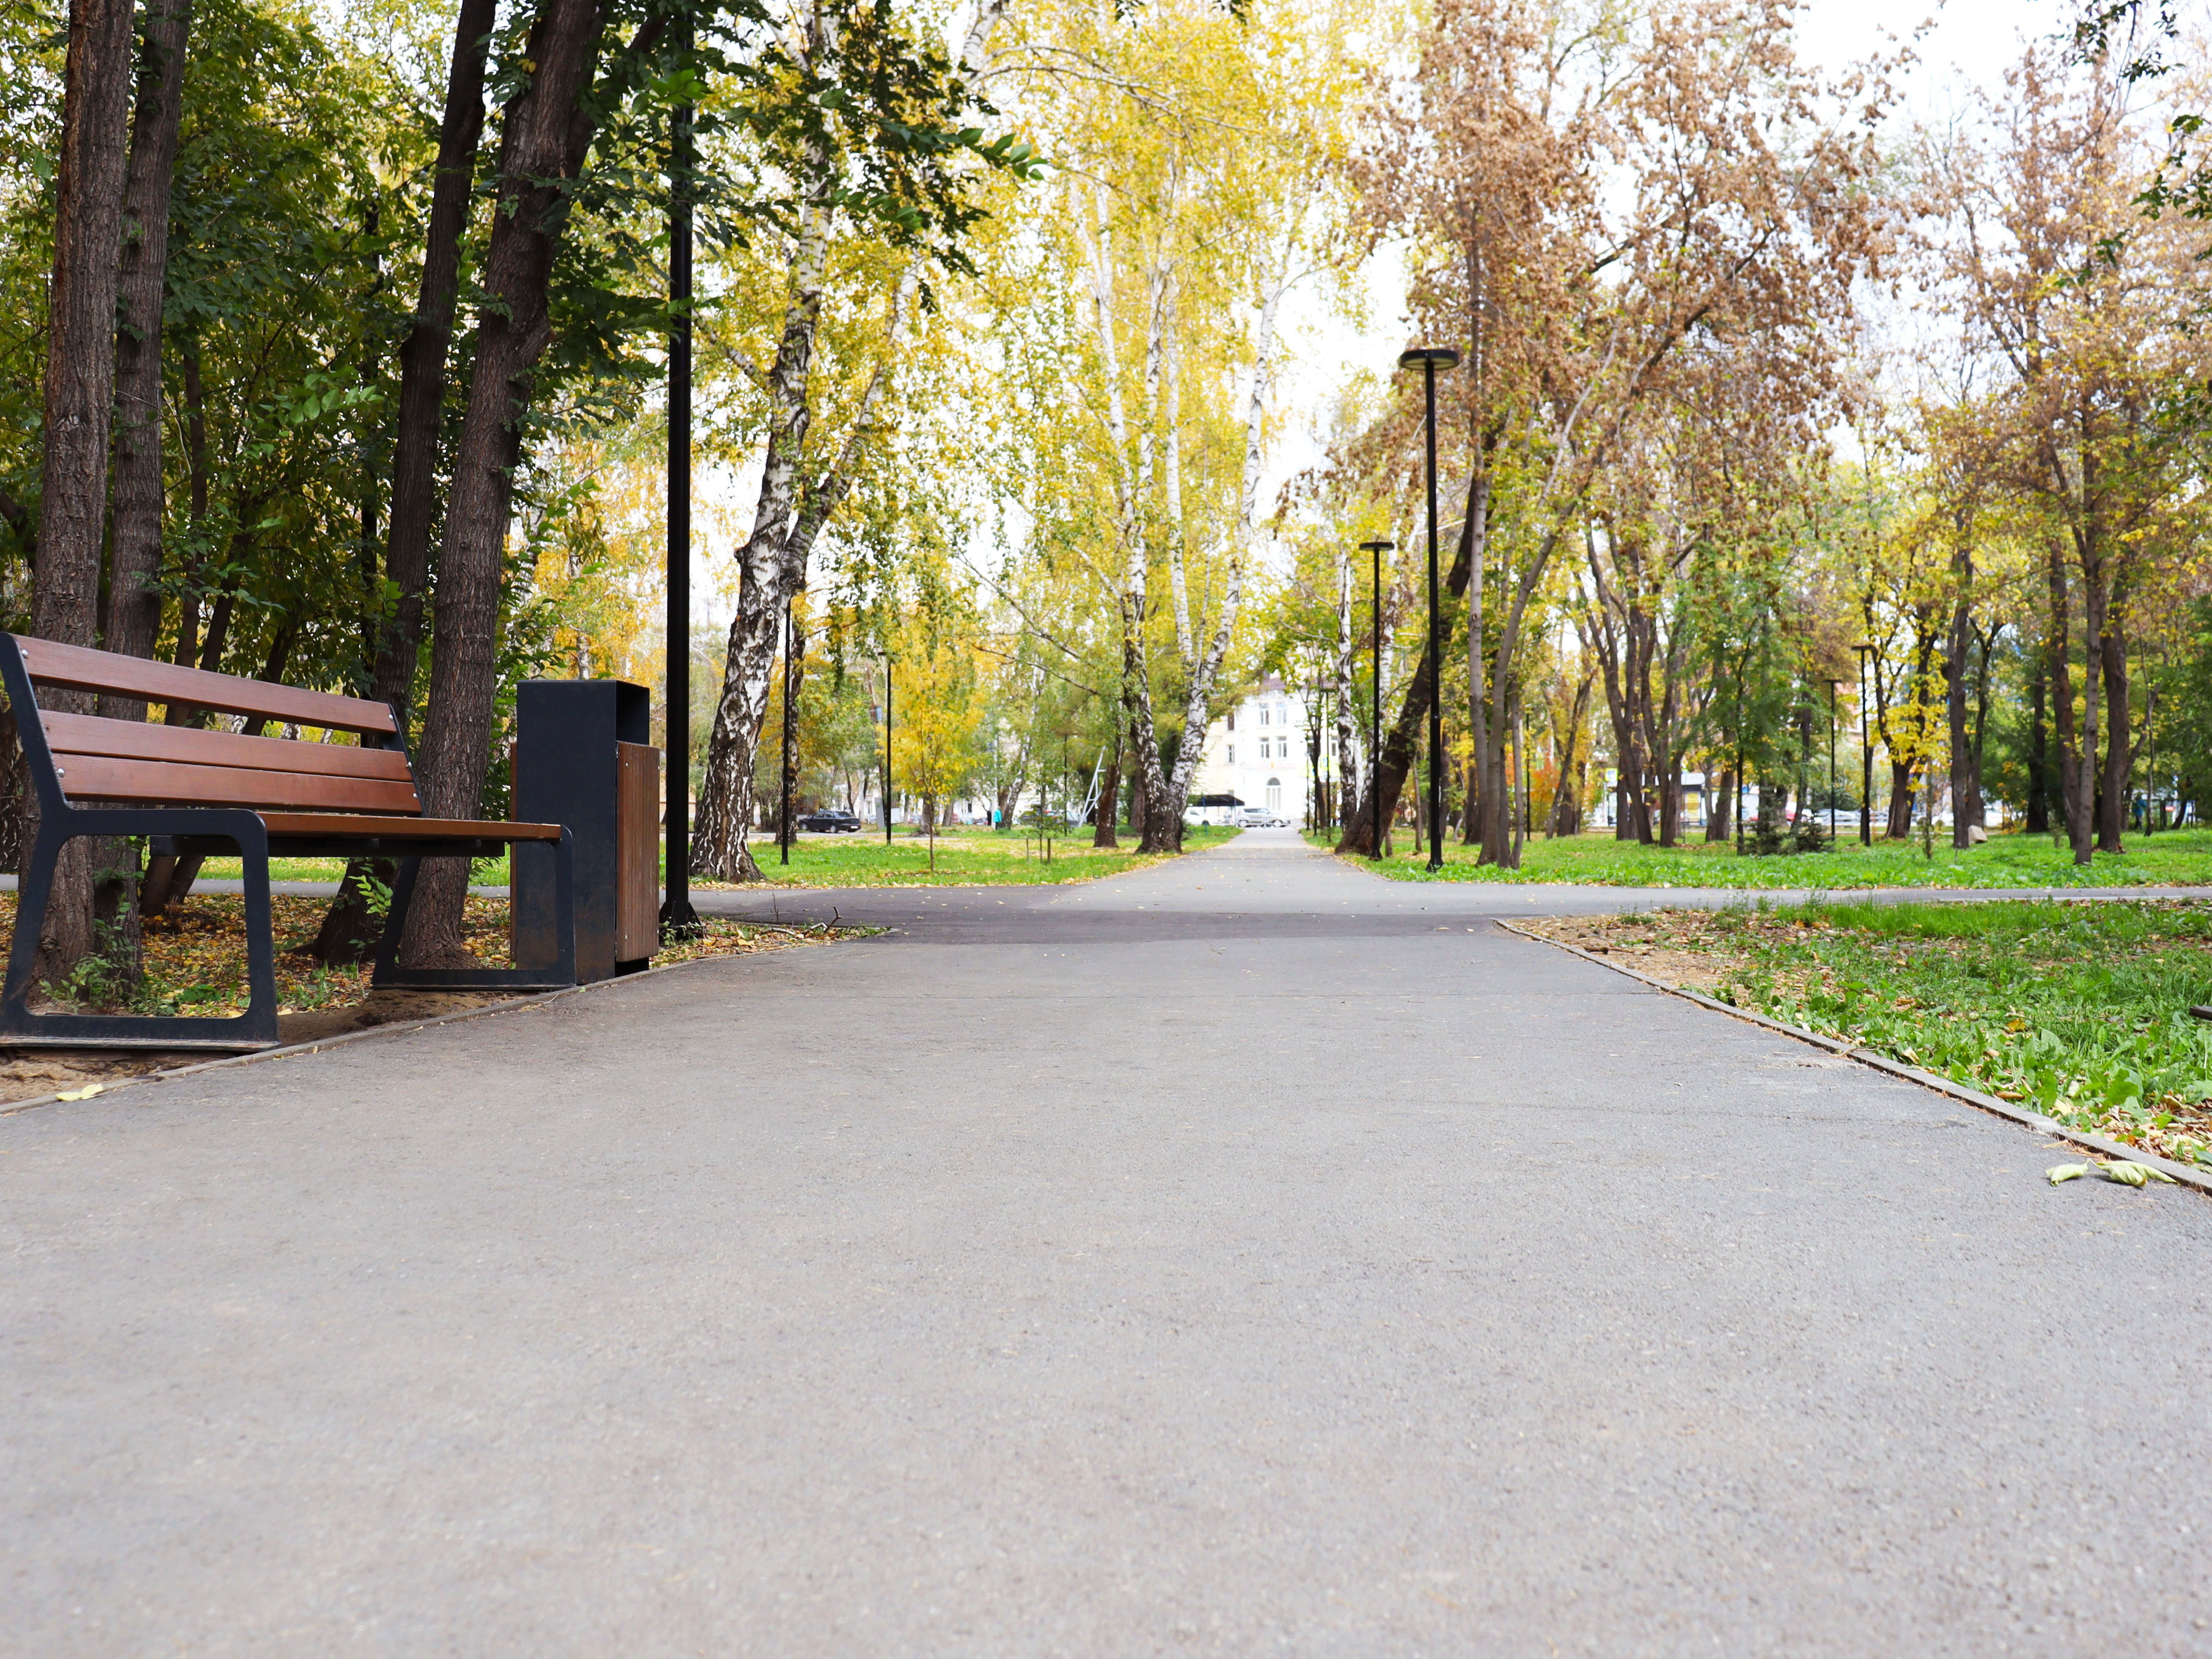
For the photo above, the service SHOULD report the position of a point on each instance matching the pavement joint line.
(397, 1028)
(2182, 1174)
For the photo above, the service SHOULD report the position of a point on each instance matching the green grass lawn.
(965, 857)
(2178, 858)
(487, 872)
(2079, 1010)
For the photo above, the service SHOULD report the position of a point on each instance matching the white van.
(1215, 812)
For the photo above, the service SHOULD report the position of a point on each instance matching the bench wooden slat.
(82, 669)
(88, 734)
(104, 777)
(344, 823)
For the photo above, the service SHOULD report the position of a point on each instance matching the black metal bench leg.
(564, 907)
(254, 1029)
(395, 924)
(260, 945)
(558, 975)
(33, 892)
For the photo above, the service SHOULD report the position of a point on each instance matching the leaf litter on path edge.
(195, 962)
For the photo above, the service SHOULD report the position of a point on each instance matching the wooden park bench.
(195, 791)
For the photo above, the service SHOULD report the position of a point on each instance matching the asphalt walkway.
(1246, 1255)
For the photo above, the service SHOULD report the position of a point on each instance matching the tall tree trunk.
(1109, 798)
(1606, 642)
(789, 519)
(1520, 804)
(134, 602)
(1666, 756)
(2038, 757)
(134, 605)
(2072, 793)
(789, 512)
(722, 834)
(547, 131)
(1477, 508)
(2094, 616)
(1977, 804)
(1900, 824)
(2119, 736)
(1140, 801)
(1566, 798)
(422, 358)
(1171, 793)
(1387, 774)
(196, 473)
(1955, 647)
(350, 928)
(79, 400)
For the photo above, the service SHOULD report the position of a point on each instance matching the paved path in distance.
(1246, 1255)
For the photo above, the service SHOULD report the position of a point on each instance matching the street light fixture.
(790, 640)
(1834, 686)
(1433, 358)
(1376, 550)
(1866, 753)
(678, 919)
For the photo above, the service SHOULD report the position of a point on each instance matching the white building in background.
(1256, 751)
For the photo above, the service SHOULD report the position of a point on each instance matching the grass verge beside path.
(2179, 858)
(965, 857)
(2077, 1009)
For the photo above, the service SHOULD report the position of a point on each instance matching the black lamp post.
(1433, 358)
(1866, 753)
(790, 646)
(1834, 686)
(1376, 550)
(678, 919)
(2150, 778)
(887, 748)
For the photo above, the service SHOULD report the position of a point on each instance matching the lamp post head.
(1376, 547)
(1441, 356)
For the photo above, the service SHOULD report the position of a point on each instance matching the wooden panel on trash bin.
(637, 852)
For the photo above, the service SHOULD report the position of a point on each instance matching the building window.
(1274, 794)
(1232, 754)
(1263, 713)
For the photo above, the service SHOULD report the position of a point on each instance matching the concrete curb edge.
(397, 1028)
(2104, 1145)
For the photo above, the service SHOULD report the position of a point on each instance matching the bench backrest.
(92, 759)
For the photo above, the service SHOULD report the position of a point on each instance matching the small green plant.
(107, 977)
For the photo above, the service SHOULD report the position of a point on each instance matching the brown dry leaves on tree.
(1611, 212)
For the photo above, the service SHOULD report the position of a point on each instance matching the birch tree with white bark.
(822, 417)
(1199, 151)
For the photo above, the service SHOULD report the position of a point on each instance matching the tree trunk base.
(351, 929)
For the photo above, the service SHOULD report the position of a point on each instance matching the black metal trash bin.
(583, 758)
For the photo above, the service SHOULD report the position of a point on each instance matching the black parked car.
(831, 822)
